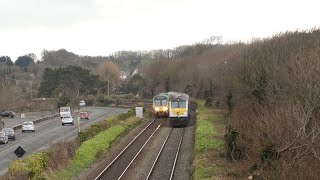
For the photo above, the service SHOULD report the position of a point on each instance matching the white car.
(65, 111)
(82, 103)
(67, 120)
(28, 126)
(3, 137)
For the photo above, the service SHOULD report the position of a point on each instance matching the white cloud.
(99, 27)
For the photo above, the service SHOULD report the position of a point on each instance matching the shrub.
(209, 102)
(268, 154)
(104, 100)
(229, 101)
(59, 154)
(32, 166)
(97, 128)
(230, 138)
(124, 116)
(89, 102)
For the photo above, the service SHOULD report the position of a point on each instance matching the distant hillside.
(64, 58)
(127, 60)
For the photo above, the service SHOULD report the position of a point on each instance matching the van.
(65, 111)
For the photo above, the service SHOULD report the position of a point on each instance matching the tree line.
(270, 89)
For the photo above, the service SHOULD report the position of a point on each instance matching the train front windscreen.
(178, 104)
(160, 101)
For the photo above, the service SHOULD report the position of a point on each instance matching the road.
(49, 132)
(9, 122)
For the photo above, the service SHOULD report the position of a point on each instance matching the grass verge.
(94, 141)
(93, 148)
(208, 141)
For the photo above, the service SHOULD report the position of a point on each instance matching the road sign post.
(78, 123)
(19, 152)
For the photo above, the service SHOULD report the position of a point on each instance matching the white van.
(65, 111)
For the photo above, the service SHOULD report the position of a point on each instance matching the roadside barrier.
(19, 126)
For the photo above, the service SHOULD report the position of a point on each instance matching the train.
(179, 108)
(172, 105)
(161, 105)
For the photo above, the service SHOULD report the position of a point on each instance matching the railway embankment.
(209, 144)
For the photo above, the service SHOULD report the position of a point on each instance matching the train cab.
(161, 105)
(179, 110)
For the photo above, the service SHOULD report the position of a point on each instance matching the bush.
(275, 105)
(230, 138)
(124, 116)
(32, 166)
(97, 128)
(104, 100)
(89, 102)
(61, 153)
(209, 102)
(268, 154)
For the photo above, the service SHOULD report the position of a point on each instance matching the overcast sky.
(100, 27)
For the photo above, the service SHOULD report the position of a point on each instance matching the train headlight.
(165, 108)
(157, 109)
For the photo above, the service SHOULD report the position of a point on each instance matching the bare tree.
(109, 71)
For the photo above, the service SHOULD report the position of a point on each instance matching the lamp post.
(78, 119)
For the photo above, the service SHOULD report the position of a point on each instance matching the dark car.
(10, 133)
(10, 114)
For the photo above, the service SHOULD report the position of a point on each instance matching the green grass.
(206, 141)
(91, 149)
(207, 172)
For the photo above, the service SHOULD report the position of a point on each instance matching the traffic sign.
(19, 152)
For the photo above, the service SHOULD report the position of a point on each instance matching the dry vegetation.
(276, 110)
(271, 88)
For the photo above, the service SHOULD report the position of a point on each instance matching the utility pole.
(31, 90)
(108, 84)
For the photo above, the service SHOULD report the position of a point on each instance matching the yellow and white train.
(179, 108)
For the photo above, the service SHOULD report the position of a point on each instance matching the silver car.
(28, 126)
(3, 137)
(67, 120)
(10, 132)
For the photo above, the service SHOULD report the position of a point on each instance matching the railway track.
(116, 168)
(163, 165)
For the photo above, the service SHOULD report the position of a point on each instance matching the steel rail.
(140, 150)
(159, 153)
(177, 154)
(116, 158)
